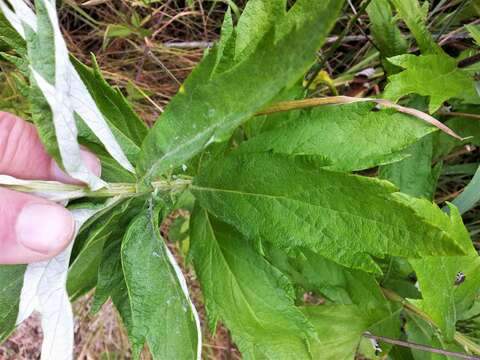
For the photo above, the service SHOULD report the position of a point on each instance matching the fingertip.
(91, 161)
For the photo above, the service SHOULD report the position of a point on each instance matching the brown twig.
(462, 114)
(420, 347)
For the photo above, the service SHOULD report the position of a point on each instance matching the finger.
(22, 154)
(32, 229)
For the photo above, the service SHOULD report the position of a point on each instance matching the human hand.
(31, 228)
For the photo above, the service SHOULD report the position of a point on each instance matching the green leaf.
(117, 31)
(373, 137)
(436, 76)
(258, 18)
(340, 329)
(11, 281)
(208, 111)
(443, 299)
(112, 228)
(252, 298)
(111, 283)
(470, 196)
(162, 316)
(87, 252)
(336, 283)
(385, 32)
(414, 175)
(471, 130)
(41, 55)
(128, 128)
(415, 17)
(346, 218)
(474, 31)
(226, 45)
(9, 37)
(466, 128)
(420, 332)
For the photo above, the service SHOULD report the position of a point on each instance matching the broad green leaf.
(252, 298)
(385, 32)
(162, 315)
(415, 16)
(436, 76)
(340, 329)
(127, 127)
(11, 281)
(336, 283)
(347, 218)
(209, 111)
(414, 175)
(350, 137)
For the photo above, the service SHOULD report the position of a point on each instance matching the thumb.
(32, 229)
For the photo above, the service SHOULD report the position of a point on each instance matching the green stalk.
(59, 191)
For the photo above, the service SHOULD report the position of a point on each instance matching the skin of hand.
(31, 228)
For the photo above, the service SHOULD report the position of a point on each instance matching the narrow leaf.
(415, 16)
(162, 313)
(44, 290)
(385, 32)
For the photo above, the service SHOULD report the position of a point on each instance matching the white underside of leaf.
(69, 95)
(66, 133)
(12, 18)
(85, 107)
(44, 290)
(183, 285)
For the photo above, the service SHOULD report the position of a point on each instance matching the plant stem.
(420, 347)
(58, 191)
(460, 338)
(462, 114)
